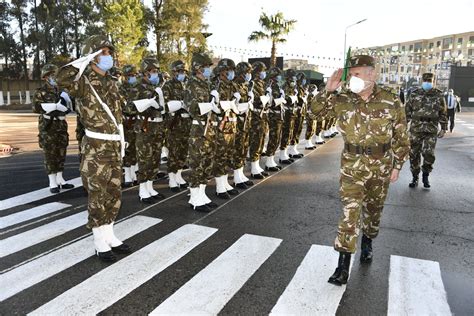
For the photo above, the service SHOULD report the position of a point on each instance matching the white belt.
(153, 119)
(102, 136)
(232, 119)
(185, 115)
(61, 118)
(196, 122)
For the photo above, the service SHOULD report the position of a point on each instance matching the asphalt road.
(286, 217)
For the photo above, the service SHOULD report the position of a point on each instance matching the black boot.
(366, 249)
(426, 182)
(414, 182)
(341, 274)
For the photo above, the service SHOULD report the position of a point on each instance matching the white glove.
(161, 99)
(48, 107)
(66, 97)
(215, 94)
(154, 104)
(234, 107)
(205, 108)
(215, 108)
(61, 107)
(251, 96)
(294, 99)
(282, 93)
(243, 107)
(174, 105)
(123, 144)
(142, 104)
(226, 105)
(269, 90)
(280, 101)
(264, 99)
(237, 96)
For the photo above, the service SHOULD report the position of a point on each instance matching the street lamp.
(345, 39)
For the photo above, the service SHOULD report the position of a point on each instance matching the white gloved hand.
(237, 97)
(234, 106)
(61, 107)
(294, 99)
(269, 90)
(251, 96)
(264, 99)
(215, 94)
(226, 105)
(243, 107)
(215, 107)
(282, 93)
(175, 105)
(48, 107)
(280, 101)
(205, 108)
(154, 104)
(142, 104)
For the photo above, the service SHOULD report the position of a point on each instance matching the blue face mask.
(207, 72)
(52, 81)
(278, 78)
(154, 79)
(427, 86)
(248, 77)
(230, 75)
(303, 82)
(132, 80)
(263, 75)
(105, 62)
(181, 77)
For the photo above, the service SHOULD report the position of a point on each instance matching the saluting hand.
(334, 82)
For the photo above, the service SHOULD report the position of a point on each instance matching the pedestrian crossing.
(32, 213)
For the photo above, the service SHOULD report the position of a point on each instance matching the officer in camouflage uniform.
(275, 120)
(98, 103)
(320, 122)
(179, 125)
(245, 87)
(259, 119)
(301, 108)
(425, 109)
(288, 128)
(52, 127)
(310, 119)
(150, 129)
(226, 92)
(374, 129)
(203, 134)
(129, 91)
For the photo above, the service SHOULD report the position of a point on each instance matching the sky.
(321, 24)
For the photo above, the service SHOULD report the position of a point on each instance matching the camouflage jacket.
(173, 89)
(289, 91)
(130, 93)
(146, 90)
(379, 121)
(226, 90)
(243, 87)
(425, 109)
(44, 94)
(258, 90)
(197, 91)
(301, 95)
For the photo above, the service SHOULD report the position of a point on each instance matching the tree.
(18, 12)
(274, 28)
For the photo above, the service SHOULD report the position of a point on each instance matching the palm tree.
(275, 27)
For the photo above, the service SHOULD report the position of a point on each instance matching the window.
(438, 44)
(470, 52)
(402, 68)
(471, 40)
(411, 48)
(418, 47)
(446, 54)
(447, 43)
(460, 41)
(431, 45)
(403, 48)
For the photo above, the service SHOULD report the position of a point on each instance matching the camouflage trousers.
(298, 129)
(258, 130)
(80, 132)
(225, 142)
(201, 152)
(178, 140)
(130, 137)
(319, 126)
(328, 123)
(101, 173)
(287, 129)
(422, 144)
(242, 141)
(310, 127)
(149, 142)
(275, 124)
(53, 139)
(363, 189)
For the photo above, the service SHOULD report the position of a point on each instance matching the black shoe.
(175, 189)
(127, 184)
(286, 161)
(310, 148)
(366, 250)
(164, 159)
(201, 208)
(341, 274)
(122, 249)
(279, 167)
(264, 154)
(161, 175)
(249, 183)
(223, 195)
(257, 176)
(273, 169)
(54, 190)
(212, 205)
(158, 196)
(149, 200)
(106, 256)
(414, 181)
(298, 156)
(184, 186)
(241, 185)
(233, 192)
(320, 143)
(185, 167)
(66, 186)
(426, 182)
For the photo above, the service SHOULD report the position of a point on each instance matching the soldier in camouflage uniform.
(52, 127)
(425, 109)
(99, 103)
(259, 119)
(311, 120)
(301, 106)
(245, 87)
(129, 91)
(291, 109)
(226, 92)
(320, 122)
(150, 129)
(179, 125)
(202, 136)
(275, 120)
(374, 129)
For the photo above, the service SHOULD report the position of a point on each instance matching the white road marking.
(309, 292)
(36, 235)
(31, 213)
(116, 281)
(33, 196)
(44, 267)
(209, 291)
(416, 288)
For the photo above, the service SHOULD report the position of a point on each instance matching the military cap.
(225, 64)
(129, 70)
(149, 63)
(178, 65)
(361, 61)
(273, 72)
(96, 42)
(258, 66)
(427, 76)
(48, 69)
(289, 73)
(300, 76)
(243, 68)
(200, 60)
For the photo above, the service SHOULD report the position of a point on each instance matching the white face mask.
(356, 84)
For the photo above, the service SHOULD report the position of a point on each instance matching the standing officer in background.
(129, 91)
(99, 106)
(301, 107)
(291, 109)
(373, 125)
(454, 105)
(52, 126)
(310, 119)
(425, 109)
